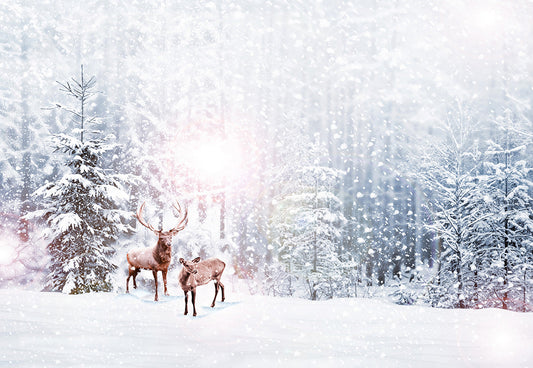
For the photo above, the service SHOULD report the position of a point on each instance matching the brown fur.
(160, 261)
(158, 257)
(195, 273)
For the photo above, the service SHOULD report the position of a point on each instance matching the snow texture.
(113, 330)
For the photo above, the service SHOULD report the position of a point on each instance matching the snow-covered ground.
(112, 330)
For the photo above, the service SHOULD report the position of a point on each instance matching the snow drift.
(112, 330)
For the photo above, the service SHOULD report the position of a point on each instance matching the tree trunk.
(26, 170)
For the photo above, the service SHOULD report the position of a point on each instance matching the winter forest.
(323, 149)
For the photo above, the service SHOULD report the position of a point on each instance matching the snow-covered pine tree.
(451, 175)
(82, 209)
(307, 227)
(282, 181)
(506, 249)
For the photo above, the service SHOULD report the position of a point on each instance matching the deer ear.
(196, 260)
(182, 261)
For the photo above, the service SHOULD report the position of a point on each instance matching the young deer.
(156, 258)
(195, 273)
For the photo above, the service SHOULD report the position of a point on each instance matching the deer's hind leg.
(221, 286)
(218, 285)
(135, 273)
(131, 272)
(216, 292)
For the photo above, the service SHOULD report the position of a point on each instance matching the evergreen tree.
(452, 176)
(308, 227)
(506, 249)
(82, 208)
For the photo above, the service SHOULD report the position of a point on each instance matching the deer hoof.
(194, 314)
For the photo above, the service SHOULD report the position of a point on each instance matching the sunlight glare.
(216, 158)
(7, 254)
(485, 18)
(504, 342)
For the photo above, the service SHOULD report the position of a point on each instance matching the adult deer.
(195, 273)
(156, 258)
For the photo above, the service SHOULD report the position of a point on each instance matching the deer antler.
(183, 221)
(139, 217)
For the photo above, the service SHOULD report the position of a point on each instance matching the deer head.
(166, 236)
(190, 266)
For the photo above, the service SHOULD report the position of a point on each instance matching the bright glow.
(7, 253)
(214, 158)
(211, 158)
(504, 342)
(485, 18)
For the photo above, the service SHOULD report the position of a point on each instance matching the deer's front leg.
(193, 293)
(155, 278)
(186, 301)
(164, 272)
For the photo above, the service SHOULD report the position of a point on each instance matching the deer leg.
(154, 272)
(193, 293)
(216, 292)
(186, 301)
(221, 286)
(128, 282)
(135, 273)
(164, 272)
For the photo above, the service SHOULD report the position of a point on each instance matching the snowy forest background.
(322, 148)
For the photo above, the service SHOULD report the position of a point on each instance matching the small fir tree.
(307, 228)
(82, 208)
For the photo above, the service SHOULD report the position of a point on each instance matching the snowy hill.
(112, 330)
